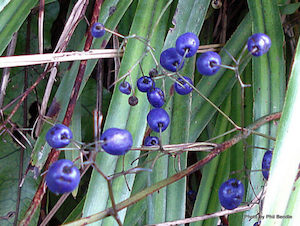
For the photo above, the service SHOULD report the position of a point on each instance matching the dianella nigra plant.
(146, 112)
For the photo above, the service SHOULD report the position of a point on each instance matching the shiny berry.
(156, 97)
(133, 100)
(266, 163)
(231, 193)
(62, 177)
(158, 119)
(186, 89)
(59, 136)
(98, 30)
(216, 4)
(208, 63)
(187, 42)
(151, 140)
(257, 223)
(116, 141)
(170, 60)
(125, 87)
(144, 83)
(258, 44)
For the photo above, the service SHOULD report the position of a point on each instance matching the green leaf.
(12, 17)
(286, 158)
(240, 155)
(213, 174)
(121, 114)
(189, 17)
(217, 87)
(293, 207)
(289, 8)
(76, 212)
(9, 183)
(268, 86)
(3, 4)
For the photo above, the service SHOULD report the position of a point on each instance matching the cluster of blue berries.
(187, 44)
(63, 176)
(158, 119)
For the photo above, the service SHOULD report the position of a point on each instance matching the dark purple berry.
(125, 87)
(186, 89)
(62, 177)
(158, 119)
(153, 72)
(266, 163)
(98, 30)
(116, 141)
(133, 100)
(156, 97)
(231, 194)
(151, 141)
(187, 42)
(59, 136)
(258, 44)
(208, 63)
(257, 223)
(170, 60)
(192, 195)
(144, 83)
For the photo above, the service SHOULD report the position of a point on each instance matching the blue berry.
(116, 141)
(98, 30)
(257, 223)
(187, 41)
(59, 136)
(258, 44)
(125, 87)
(151, 140)
(158, 119)
(156, 97)
(62, 177)
(231, 193)
(186, 89)
(266, 163)
(144, 83)
(170, 60)
(208, 63)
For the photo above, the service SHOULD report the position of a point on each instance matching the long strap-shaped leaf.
(285, 162)
(189, 18)
(122, 115)
(268, 84)
(213, 174)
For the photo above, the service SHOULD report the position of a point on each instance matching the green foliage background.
(274, 80)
